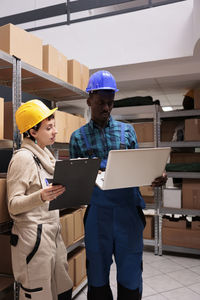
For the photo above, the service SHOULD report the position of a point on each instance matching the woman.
(39, 256)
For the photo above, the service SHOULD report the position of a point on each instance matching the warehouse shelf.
(75, 245)
(37, 82)
(181, 249)
(49, 87)
(188, 175)
(79, 288)
(179, 115)
(22, 77)
(180, 211)
(183, 144)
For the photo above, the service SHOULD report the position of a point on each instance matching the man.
(114, 220)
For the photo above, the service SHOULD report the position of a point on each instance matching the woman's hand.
(51, 192)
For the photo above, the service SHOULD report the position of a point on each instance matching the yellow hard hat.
(31, 113)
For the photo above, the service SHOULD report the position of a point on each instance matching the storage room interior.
(48, 51)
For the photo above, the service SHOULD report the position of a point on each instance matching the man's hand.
(159, 181)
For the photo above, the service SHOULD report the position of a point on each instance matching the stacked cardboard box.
(147, 193)
(192, 130)
(148, 232)
(176, 233)
(144, 132)
(72, 228)
(22, 44)
(4, 215)
(77, 265)
(55, 63)
(66, 124)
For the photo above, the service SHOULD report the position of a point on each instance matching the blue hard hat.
(102, 80)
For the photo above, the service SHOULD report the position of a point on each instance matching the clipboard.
(133, 167)
(78, 176)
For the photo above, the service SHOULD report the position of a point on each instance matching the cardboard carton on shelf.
(74, 73)
(67, 229)
(78, 224)
(148, 232)
(174, 223)
(71, 268)
(179, 237)
(55, 63)
(84, 77)
(144, 132)
(184, 157)
(22, 44)
(191, 194)
(79, 266)
(197, 98)
(4, 214)
(192, 130)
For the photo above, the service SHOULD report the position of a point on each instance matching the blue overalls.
(114, 224)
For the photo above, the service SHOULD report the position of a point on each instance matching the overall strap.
(122, 143)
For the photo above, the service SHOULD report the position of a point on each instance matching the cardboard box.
(79, 266)
(195, 225)
(192, 130)
(67, 229)
(181, 237)
(172, 197)
(197, 98)
(8, 120)
(144, 132)
(62, 67)
(78, 224)
(5, 254)
(147, 193)
(146, 190)
(22, 44)
(71, 268)
(50, 60)
(149, 199)
(191, 193)
(148, 232)
(61, 126)
(167, 129)
(74, 73)
(1, 118)
(84, 77)
(4, 214)
(174, 223)
(181, 157)
(66, 124)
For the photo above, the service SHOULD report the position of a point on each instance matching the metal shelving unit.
(145, 113)
(22, 77)
(179, 114)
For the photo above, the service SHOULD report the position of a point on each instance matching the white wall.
(154, 34)
(158, 33)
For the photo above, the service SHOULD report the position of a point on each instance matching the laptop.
(133, 167)
(78, 176)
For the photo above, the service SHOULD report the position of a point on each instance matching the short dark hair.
(36, 128)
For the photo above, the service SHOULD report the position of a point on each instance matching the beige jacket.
(25, 178)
